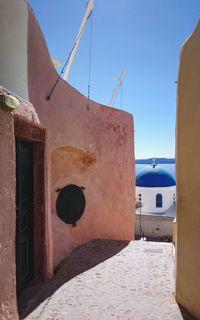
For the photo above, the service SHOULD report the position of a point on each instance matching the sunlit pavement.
(108, 279)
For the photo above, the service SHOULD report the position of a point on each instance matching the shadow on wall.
(79, 261)
(186, 315)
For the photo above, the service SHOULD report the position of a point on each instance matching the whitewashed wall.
(149, 198)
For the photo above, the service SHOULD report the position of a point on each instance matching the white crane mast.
(88, 11)
(119, 82)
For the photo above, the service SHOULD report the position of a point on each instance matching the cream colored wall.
(13, 48)
(154, 226)
(188, 176)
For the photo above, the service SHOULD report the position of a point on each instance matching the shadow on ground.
(81, 259)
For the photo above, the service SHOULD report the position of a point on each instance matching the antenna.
(89, 7)
(68, 63)
(119, 82)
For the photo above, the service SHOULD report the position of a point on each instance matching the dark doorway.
(24, 214)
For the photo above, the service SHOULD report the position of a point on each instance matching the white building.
(156, 191)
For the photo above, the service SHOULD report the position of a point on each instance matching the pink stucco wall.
(8, 306)
(88, 144)
(25, 111)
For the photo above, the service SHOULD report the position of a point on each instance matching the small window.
(70, 203)
(159, 200)
(174, 198)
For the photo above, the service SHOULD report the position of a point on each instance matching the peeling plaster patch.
(86, 158)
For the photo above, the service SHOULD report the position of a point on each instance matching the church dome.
(154, 176)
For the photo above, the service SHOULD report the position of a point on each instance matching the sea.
(171, 167)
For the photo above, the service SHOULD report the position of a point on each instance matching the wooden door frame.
(35, 134)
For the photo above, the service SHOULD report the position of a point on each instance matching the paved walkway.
(106, 280)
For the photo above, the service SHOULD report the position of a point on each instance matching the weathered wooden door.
(24, 214)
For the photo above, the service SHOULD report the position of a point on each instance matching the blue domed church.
(155, 189)
(156, 199)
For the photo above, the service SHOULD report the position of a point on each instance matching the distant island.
(156, 160)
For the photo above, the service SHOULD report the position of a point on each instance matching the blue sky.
(141, 36)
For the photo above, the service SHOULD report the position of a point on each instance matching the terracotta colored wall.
(188, 176)
(26, 113)
(8, 308)
(87, 144)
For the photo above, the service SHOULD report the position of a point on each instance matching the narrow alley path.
(107, 279)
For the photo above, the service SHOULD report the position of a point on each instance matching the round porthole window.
(70, 204)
